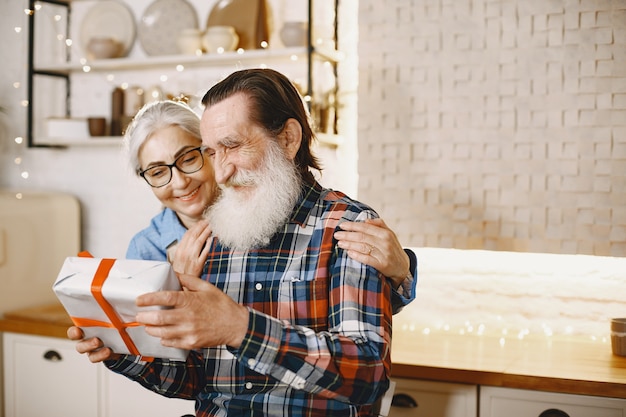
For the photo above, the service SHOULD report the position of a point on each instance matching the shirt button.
(251, 362)
(258, 286)
(248, 385)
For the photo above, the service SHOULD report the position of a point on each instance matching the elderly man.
(282, 321)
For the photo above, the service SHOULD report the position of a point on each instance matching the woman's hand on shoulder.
(373, 243)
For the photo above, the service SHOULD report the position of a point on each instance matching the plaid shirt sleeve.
(405, 294)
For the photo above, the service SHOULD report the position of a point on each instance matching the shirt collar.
(172, 228)
(309, 195)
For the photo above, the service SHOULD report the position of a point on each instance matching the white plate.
(161, 24)
(108, 18)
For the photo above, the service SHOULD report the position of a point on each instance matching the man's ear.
(291, 138)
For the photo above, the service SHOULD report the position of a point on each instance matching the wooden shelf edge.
(59, 142)
(226, 58)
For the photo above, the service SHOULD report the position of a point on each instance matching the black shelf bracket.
(32, 72)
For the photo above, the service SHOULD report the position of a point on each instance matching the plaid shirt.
(319, 334)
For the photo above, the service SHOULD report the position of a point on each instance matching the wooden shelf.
(324, 139)
(260, 56)
(61, 142)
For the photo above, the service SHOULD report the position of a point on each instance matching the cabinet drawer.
(45, 376)
(434, 399)
(126, 398)
(497, 402)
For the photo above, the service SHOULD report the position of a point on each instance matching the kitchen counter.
(48, 320)
(566, 364)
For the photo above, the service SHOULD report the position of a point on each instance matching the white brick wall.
(495, 124)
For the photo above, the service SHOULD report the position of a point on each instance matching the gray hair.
(153, 117)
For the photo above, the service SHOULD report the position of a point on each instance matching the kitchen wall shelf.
(324, 139)
(58, 142)
(69, 67)
(227, 58)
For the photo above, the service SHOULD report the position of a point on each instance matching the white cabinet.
(126, 398)
(498, 402)
(45, 376)
(433, 399)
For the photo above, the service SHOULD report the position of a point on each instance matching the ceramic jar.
(618, 336)
(294, 33)
(218, 39)
(189, 41)
(103, 48)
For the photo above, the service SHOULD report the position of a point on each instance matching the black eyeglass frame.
(174, 164)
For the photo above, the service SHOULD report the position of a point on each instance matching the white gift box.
(99, 295)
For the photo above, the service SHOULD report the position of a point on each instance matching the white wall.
(496, 125)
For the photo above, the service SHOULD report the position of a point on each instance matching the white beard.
(247, 219)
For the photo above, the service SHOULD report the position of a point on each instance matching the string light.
(19, 141)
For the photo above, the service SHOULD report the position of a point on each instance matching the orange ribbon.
(102, 273)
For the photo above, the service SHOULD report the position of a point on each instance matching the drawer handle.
(403, 401)
(553, 412)
(52, 356)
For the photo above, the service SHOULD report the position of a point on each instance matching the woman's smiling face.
(187, 194)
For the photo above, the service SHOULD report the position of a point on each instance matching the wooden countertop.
(49, 320)
(566, 364)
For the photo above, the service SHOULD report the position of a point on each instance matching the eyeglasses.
(187, 163)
